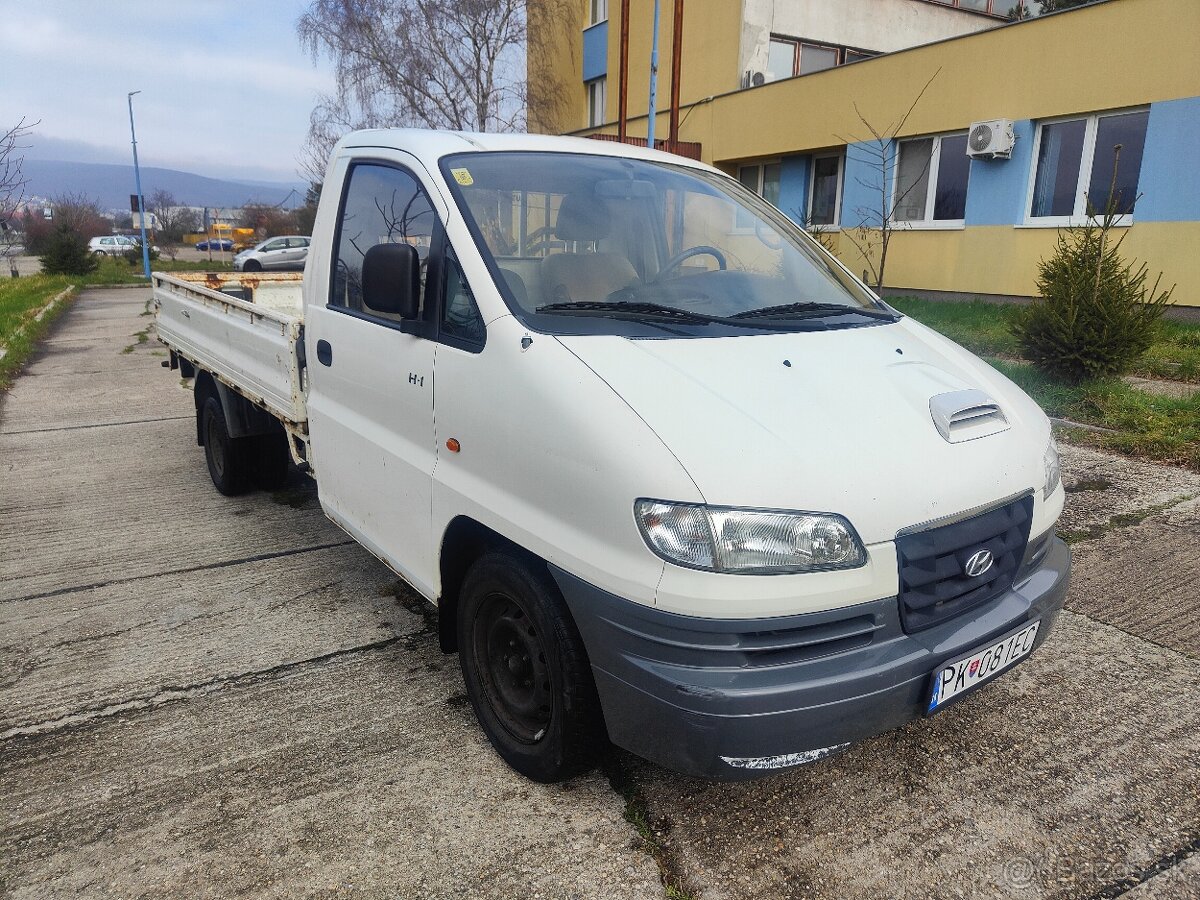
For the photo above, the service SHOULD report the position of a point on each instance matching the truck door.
(370, 402)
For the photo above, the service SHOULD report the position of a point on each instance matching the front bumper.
(739, 698)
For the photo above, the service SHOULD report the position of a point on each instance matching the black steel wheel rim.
(511, 662)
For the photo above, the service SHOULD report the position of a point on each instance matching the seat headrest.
(582, 218)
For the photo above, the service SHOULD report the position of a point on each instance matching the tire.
(271, 458)
(229, 459)
(526, 670)
(252, 265)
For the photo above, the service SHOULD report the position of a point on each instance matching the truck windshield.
(598, 244)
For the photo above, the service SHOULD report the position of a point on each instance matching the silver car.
(285, 252)
(111, 245)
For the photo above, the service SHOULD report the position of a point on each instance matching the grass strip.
(984, 328)
(1165, 429)
(21, 299)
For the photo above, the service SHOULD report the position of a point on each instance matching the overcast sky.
(226, 88)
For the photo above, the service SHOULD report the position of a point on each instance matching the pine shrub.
(67, 253)
(1097, 314)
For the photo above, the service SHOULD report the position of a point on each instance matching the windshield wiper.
(809, 310)
(632, 308)
(643, 310)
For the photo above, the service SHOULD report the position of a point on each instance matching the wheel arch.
(242, 418)
(464, 541)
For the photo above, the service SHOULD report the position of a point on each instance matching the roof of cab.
(429, 145)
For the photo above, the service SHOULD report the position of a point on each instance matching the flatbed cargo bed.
(245, 328)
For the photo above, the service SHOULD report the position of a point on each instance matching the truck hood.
(834, 421)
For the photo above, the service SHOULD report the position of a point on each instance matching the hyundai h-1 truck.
(673, 477)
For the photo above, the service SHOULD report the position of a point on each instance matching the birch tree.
(456, 64)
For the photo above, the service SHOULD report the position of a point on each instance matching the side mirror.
(391, 279)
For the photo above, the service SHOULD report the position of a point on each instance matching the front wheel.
(252, 265)
(526, 670)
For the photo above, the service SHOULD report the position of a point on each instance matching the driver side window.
(383, 205)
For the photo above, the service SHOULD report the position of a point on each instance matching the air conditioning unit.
(993, 139)
(753, 79)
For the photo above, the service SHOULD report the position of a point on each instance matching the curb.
(41, 313)
(114, 287)
(1067, 423)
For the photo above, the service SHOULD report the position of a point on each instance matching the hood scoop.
(966, 415)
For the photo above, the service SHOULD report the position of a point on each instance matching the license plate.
(982, 665)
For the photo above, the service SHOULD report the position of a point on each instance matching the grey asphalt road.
(204, 696)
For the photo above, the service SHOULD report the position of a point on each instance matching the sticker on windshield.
(462, 176)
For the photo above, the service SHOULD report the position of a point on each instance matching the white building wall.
(879, 25)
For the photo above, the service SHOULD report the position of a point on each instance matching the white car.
(115, 245)
(287, 251)
(689, 488)
(112, 245)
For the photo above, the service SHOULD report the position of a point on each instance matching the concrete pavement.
(204, 696)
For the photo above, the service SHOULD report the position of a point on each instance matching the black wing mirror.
(391, 280)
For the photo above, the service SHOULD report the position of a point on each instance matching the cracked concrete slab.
(1145, 579)
(363, 775)
(88, 506)
(77, 655)
(1101, 486)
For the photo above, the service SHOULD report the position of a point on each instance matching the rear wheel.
(526, 669)
(229, 459)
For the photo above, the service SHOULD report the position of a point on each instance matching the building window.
(598, 11)
(931, 180)
(825, 191)
(1074, 168)
(596, 101)
(764, 181)
(788, 56)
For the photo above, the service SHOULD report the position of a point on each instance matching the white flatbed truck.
(673, 476)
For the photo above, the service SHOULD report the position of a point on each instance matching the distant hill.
(111, 185)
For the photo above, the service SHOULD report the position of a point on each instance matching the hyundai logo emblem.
(980, 562)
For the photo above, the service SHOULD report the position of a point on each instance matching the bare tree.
(457, 64)
(77, 212)
(12, 180)
(878, 156)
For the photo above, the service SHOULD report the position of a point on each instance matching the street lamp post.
(653, 111)
(137, 177)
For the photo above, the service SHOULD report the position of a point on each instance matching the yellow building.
(791, 115)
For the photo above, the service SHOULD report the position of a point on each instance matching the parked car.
(224, 244)
(287, 251)
(111, 245)
(116, 245)
(690, 488)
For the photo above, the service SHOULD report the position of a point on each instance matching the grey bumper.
(738, 698)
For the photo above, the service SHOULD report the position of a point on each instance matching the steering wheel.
(679, 258)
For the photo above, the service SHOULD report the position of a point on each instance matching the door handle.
(324, 353)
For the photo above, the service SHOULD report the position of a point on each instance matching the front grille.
(934, 585)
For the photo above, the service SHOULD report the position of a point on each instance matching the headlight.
(1053, 472)
(747, 541)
